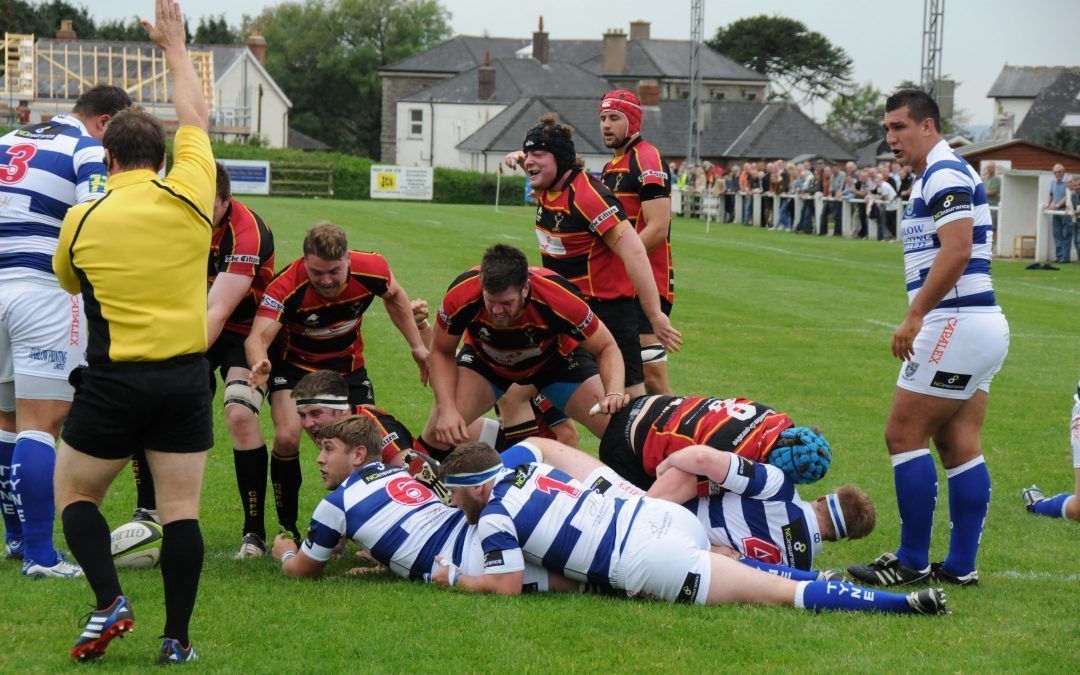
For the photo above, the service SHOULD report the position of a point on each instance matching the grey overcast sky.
(883, 39)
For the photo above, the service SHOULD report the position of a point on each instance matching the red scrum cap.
(625, 103)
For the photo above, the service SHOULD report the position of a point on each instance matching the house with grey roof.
(1046, 94)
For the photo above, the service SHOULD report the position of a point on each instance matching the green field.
(802, 323)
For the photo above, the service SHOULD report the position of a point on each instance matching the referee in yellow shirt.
(138, 255)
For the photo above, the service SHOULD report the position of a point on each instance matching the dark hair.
(920, 105)
(320, 383)
(469, 458)
(327, 241)
(135, 140)
(503, 267)
(224, 185)
(102, 99)
(353, 431)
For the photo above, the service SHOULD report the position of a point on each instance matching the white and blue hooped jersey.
(44, 170)
(761, 516)
(949, 189)
(540, 514)
(389, 514)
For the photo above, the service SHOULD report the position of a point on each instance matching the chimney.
(486, 78)
(639, 30)
(648, 92)
(614, 51)
(257, 44)
(540, 43)
(66, 32)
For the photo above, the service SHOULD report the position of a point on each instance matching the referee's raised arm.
(168, 33)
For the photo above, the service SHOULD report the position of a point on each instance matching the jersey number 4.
(756, 548)
(19, 163)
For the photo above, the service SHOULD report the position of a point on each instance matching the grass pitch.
(802, 323)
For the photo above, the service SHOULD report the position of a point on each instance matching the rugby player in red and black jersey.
(523, 325)
(638, 176)
(645, 432)
(320, 300)
(584, 236)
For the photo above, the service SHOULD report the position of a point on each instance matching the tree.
(855, 116)
(326, 56)
(216, 31)
(802, 63)
(118, 29)
(43, 19)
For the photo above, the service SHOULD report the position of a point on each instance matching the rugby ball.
(136, 545)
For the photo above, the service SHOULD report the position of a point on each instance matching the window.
(416, 122)
(718, 95)
(749, 95)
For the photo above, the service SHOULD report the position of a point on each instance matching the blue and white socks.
(835, 595)
(781, 570)
(915, 477)
(1052, 507)
(969, 499)
(32, 466)
(8, 505)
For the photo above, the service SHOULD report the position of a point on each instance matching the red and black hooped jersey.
(738, 425)
(571, 225)
(555, 319)
(321, 334)
(638, 175)
(244, 245)
(395, 437)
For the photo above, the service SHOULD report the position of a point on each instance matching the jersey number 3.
(19, 163)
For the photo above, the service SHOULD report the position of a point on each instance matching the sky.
(883, 39)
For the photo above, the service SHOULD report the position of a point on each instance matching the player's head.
(134, 139)
(224, 194)
(549, 152)
(504, 277)
(326, 257)
(847, 513)
(802, 453)
(97, 105)
(321, 397)
(620, 117)
(345, 445)
(912, 125)
(469, 473)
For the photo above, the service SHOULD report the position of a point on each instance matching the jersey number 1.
(549, 485)
(19, 164)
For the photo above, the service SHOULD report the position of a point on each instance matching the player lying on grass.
(1064, 505)
(648, 548)
(522, 325)
(755, 515)
(397, 520)
(650, 428)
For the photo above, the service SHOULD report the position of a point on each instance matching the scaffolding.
(697, 26)
(933, 34)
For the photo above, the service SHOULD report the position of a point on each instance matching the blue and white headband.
(331, 401)
(836, 514)
(472, 479)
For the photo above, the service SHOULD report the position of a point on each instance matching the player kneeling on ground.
(647, 547)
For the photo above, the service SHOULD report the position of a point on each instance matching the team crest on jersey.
(909, 370)
(909, 210)
(558, 221)
(312, 320)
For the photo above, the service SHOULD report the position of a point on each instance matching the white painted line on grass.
(886, 324)
(510, 236)
(1046, 288)
(433, 222)
(1036, 576)
(810, 256)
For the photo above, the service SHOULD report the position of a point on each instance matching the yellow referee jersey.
(138, 256)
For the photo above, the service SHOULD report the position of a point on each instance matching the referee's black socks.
(286, 478)
(88, 537)
(181, 566)
(251, 482)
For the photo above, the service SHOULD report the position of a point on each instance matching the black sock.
(87, 536)
(144, 482)
(251, 481)
(520, 432)
(286, 477)
(433, 452)
(181, 565)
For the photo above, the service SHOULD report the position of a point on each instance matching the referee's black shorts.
(120, 408)
(621, 318)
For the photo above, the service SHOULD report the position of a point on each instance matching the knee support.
(654, 353)
(237, 392)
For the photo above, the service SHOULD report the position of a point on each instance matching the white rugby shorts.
(956, 354)
(666, 555)
(43, 336)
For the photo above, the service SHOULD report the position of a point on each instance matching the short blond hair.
(327, 241)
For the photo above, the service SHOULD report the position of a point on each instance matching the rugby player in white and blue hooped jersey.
(45, 169)
(647, 548)
(952, 342)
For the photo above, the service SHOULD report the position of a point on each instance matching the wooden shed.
(1023, 155)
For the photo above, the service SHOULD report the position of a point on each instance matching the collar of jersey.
(73, 121)
(126, 178)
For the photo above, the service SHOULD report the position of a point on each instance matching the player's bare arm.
(657, 215)
(450, 427)
(295, 562)
(400, 310)
(263, 332)
(698, 460)
(420, 314)
(946, 270)
(501, 584)
(225, 294)
(612, 371)
(168, 32)
(515, 159)
(624, 241)
(674, 485)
